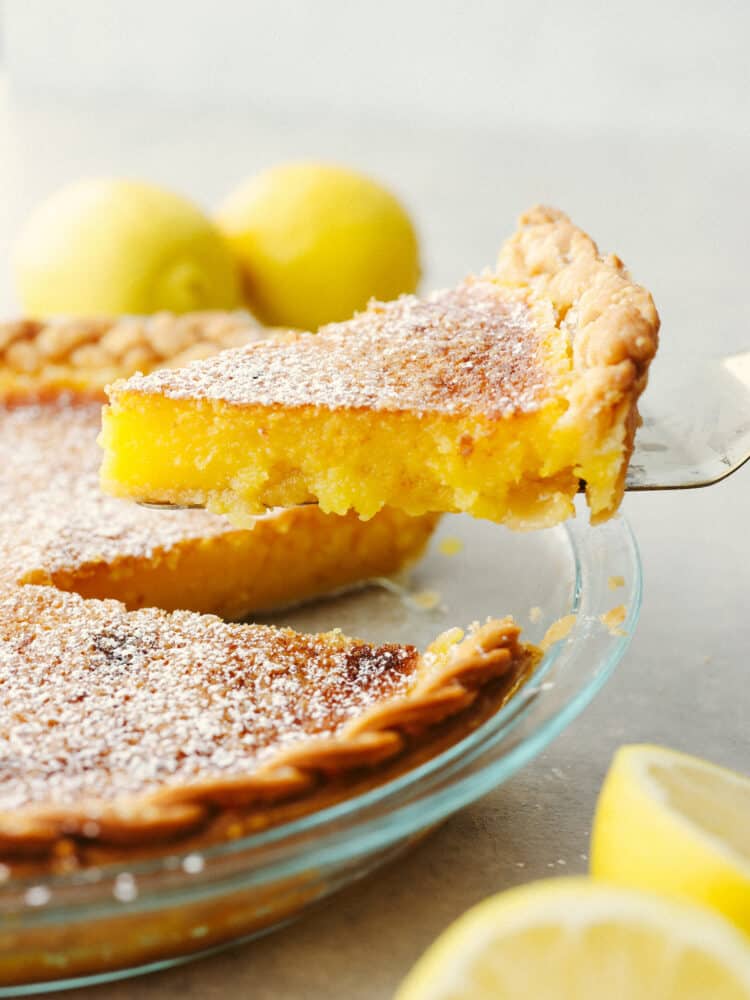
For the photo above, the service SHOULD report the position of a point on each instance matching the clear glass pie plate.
(110, 922)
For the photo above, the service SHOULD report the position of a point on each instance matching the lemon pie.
(496, 397)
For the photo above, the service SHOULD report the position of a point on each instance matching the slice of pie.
(496, 397)
(57, 527)
(125, 730)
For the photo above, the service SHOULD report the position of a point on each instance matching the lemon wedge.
(576, 939)
(678, 825)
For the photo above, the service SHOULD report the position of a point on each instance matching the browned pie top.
(473, 346)
(55, 516)
(98, 702)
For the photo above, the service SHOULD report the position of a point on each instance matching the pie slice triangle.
(496, 397)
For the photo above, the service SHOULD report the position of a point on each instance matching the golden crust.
(87, 353)
(432, 688)
(612, 322)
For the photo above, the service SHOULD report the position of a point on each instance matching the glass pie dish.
(108, 922)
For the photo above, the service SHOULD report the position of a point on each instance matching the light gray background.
(635, 121)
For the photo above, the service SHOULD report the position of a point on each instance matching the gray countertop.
(675, 207)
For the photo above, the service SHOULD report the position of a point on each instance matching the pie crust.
(43, 356)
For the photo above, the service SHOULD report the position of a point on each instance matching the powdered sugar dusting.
(54, 514)
(471, 348)
(98, 702)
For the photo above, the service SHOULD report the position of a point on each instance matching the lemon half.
(573, 939)
(678, 825)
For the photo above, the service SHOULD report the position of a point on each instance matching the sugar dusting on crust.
(465, 348)
(54, 514)
(98, 702)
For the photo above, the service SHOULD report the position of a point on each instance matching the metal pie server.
(696, 428)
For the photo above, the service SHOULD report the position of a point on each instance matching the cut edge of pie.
(554, 347)
(441, 684)
(52, 377)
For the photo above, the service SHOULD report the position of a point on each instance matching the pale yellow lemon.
(678, 825)
(111, 246)
(317, 241)
(575, 939)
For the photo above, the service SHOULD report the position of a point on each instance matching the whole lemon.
(317, 241)
(109, 246)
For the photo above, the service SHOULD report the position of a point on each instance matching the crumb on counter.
(558, 630)
(425, 599)
(450, 546)
(613, 619)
